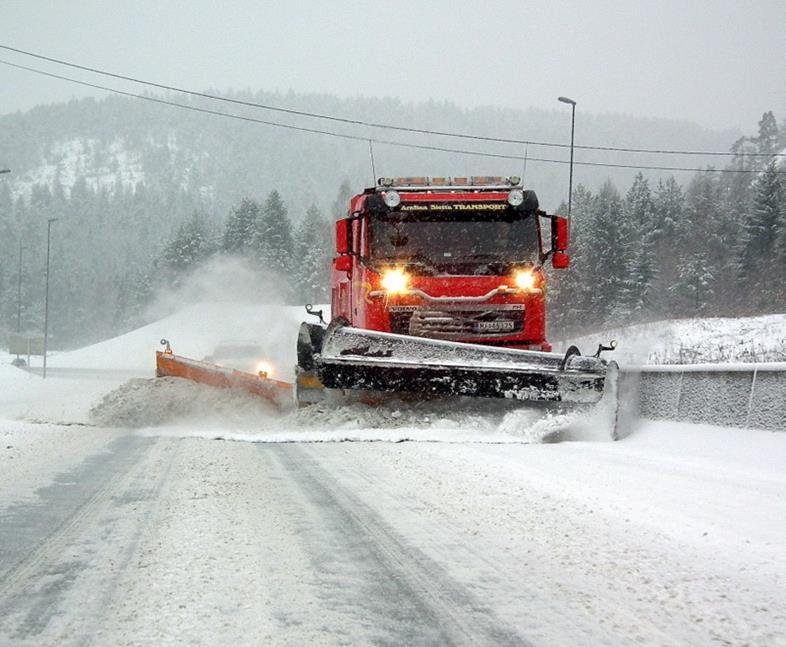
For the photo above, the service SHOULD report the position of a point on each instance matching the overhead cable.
(153, 99)
(371, 124)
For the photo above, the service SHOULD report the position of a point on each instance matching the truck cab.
(457, 259)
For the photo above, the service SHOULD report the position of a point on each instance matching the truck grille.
(454, 322)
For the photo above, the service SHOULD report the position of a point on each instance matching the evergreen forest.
(644, 246)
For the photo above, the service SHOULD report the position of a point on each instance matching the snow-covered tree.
(608, 257)
(273, 244)
(569, 301)
(240, 228)
(190, 246)
(768, 141)
(711, 235)
(694, 294)
(312, 257)
(762, 235)
(668, 207)
(341, 203)
(639, 214)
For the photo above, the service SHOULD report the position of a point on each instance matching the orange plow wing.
(171, 365)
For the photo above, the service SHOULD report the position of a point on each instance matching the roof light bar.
(424, 183)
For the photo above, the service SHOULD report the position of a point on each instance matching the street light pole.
(46, 298)
(3, 171)
(572, 104)
(19, 292)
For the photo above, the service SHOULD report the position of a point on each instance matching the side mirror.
(343, 232)
(343, 263)
(559, 234)
(560, 260)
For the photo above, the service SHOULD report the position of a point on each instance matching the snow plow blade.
(353, 359)
(171, 365)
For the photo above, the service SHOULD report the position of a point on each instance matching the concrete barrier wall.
(740, 395)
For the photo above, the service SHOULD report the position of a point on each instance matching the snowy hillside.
(101, 165)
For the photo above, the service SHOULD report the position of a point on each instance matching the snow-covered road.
(671, 536)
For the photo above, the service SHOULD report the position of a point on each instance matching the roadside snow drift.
(195, 332)
(177, 407)
(688, 341)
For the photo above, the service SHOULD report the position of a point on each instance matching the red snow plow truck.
(438, 288)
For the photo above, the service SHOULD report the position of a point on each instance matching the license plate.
(494, 326)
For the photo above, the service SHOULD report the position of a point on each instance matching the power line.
(357, 137)
(370, 124)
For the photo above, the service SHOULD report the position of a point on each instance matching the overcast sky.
(719, 63)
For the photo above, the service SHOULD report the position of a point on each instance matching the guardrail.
(731, 395)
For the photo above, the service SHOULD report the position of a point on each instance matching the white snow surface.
(673, 535)
(693, 341)
(179, 408)
(26, 396)
(194, 332)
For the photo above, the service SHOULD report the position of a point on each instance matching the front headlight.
(264, 369)
(525, 279)
(395, 281)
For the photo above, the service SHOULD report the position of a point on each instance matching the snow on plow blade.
(171, 365)
(355, 359)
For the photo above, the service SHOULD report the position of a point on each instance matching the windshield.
(474, 241)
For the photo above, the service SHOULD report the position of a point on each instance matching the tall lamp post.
(19, 280)
(3, 171)
(19, 291)
(572, 104)
(46, 298)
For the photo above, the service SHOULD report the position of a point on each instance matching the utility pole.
(46, 298)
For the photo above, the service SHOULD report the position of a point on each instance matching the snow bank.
(176, 407)
(194, 332)
(224, 301)
(26, 396)
(152, 402)
(690, 341)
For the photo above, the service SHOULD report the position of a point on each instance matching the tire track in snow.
(150, 493)
(41, 552)
(404, 591)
